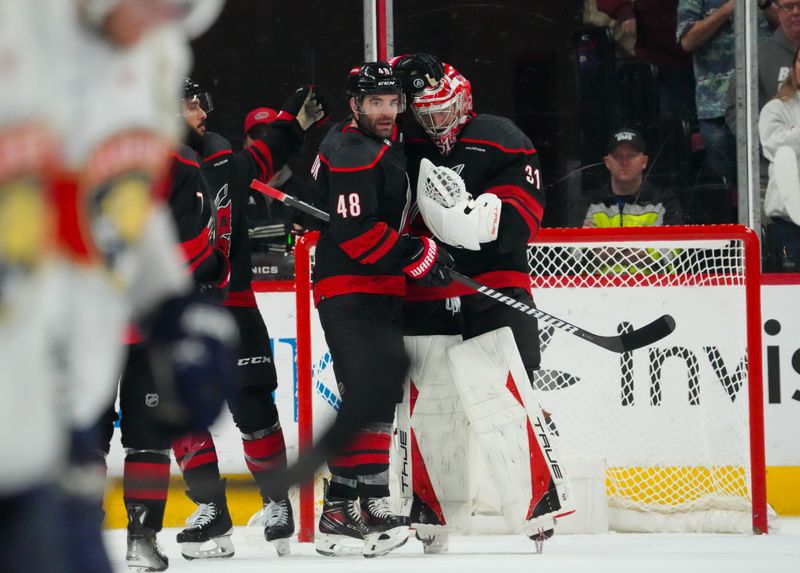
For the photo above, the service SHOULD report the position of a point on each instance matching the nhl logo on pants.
(151, 400)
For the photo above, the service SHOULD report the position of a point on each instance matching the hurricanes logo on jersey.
(224, 219)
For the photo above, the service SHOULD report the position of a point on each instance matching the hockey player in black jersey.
(146, 441)
(228, 175)
(487, 205)
(363, 258)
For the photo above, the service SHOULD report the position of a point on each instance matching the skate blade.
(434, 538)
(220, 547)
(282, 546)
(539, 538)
(338, 545)
(380, 543)
(143, 565)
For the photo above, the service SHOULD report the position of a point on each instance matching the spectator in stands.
(628, 200)
(774, 55)
(705, 30)
(779, 129)
(625, 38)
(653, 23)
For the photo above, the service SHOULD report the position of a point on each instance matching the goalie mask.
(444, 110)
(450, 212)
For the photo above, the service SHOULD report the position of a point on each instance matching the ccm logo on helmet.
(254, 360)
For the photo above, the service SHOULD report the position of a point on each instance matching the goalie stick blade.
(648, 334)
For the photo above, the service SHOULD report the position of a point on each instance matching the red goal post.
(674, 460)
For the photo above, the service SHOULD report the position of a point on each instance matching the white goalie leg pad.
(507, 421)
(440, 432)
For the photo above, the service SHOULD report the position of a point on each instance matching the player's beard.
(380, 126)
(194, 137)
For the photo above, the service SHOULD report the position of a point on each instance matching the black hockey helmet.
(373, 78)
(192, 91)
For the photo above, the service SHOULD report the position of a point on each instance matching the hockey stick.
(648, 334)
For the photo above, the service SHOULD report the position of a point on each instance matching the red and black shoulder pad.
(186, 155)
(214, 145)
(350, 150)
(497, 132)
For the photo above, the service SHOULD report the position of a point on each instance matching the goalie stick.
(648, 334)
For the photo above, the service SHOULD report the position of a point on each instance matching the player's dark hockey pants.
(365, 338)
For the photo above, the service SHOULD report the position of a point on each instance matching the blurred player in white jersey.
(96, 74)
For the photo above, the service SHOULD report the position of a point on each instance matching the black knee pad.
(255, 363)
(253, 409)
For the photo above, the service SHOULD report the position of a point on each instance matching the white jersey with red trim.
(492, 155)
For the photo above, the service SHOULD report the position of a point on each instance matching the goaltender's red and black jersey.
(192, 209)
(229, 174)
(492, 155)
(361, 181)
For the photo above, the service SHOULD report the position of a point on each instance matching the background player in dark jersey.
(228, 175)
(147, 443)
(499, 167)
(362, 260)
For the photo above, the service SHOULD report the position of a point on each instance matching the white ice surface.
(612, 553)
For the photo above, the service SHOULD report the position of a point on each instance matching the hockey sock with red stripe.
(265, 450)
(197, 458)
(364, 459)
(146, 483)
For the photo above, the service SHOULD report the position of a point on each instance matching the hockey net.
(678, 425)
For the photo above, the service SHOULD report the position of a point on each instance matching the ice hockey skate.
(277, 519)
(429, 529)
(542, 524)
(341, 528)
(208, 534)
(143, 553)
(385, 531)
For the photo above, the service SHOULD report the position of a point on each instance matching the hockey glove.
(417, 71)
(192, 353)
(429, 263)
(306, 106)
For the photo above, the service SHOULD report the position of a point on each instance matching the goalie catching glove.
(452, 215)
(305, 105)
(429, 264)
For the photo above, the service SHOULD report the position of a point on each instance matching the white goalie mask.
(450, 212)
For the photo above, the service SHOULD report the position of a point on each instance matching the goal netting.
(677, 425)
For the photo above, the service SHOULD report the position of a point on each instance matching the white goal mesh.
(672, 421)
(678, 424)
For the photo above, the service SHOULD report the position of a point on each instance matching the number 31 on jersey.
(532, 176)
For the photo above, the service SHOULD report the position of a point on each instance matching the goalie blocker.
(480, 385)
